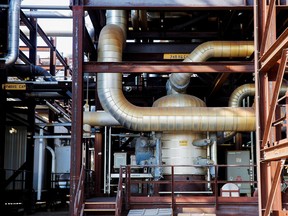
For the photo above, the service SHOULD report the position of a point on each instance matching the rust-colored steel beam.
(273, 54)
(171, 67)
(98, 157)
(276, 152)
(77, 114)
(268, 23)
(165, 4)
(276, 181)
(274, 98)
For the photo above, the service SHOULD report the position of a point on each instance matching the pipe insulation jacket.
(178, 82)
(13, 32)
(109, 87)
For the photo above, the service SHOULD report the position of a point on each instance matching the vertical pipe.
(53, 158)
(105, 160)
(208, 168)
(13, 31)
(158, 169)
(40, 166)
(109, 162)
(257, 37)
(53, 166)
(251, 148)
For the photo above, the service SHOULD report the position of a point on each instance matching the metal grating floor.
(150, 212)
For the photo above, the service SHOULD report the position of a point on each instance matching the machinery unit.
(242, 173)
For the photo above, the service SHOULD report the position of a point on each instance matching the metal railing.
(128, 172)
(119, 197)
(16, 179)
(79, 194)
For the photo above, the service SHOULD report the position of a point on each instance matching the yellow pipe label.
(13, 86)
(183, 143)
(174, 56)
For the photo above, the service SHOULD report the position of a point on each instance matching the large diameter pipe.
(178, 82)
(13, 32)
(99, 119)
(110, 93)
(246, 90)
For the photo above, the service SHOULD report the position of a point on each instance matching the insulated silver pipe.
(99, 119)
(178, 82)
(248, 90)
(110, 93)
(13, 32)
(48, 14)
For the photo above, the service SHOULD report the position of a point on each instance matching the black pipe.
(29, 71)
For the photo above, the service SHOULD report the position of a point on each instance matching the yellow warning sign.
(14, 86)
(183, 143)
(175, 56)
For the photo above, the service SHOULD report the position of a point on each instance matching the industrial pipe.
(53, 165)
(109, 86)
(178, 82)
(40, 165)
(13, 32)
(21, 70)
(48, 14)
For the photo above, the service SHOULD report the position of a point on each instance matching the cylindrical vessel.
(177, 148)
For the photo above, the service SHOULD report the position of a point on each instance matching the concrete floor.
(51, 213)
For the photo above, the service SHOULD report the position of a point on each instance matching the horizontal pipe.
(109, 87)
(48, 14)
(99, 119)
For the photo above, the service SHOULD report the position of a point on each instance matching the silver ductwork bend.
(13, 32)
(110, 93)
(178, 82)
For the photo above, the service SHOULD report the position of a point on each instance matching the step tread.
(99, 209)
(93, 202)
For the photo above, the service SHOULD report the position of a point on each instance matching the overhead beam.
(273, 54)
(150, 4)
(171, 67)
(276, 152)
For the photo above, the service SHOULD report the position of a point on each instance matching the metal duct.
(245, 90)
(178, 82)
(13, 32)
(110, 93)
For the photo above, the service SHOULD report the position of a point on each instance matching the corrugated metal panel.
(15, 150)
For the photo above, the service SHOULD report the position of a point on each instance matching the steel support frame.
(77, 99)
(34, 29)
(268, 59)
(275, 182)
(270, 166)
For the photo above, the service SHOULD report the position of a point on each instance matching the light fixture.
(12, 130)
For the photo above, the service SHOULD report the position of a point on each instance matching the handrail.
(119, 197)
(79, 194)
(128, 175)
(15, 174)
